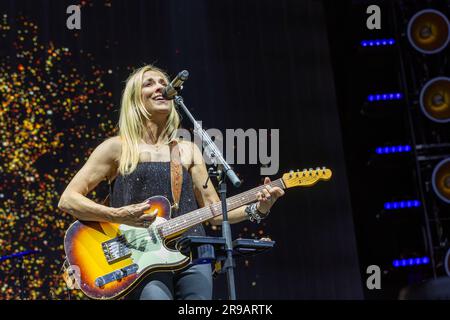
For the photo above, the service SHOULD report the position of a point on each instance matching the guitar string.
(203, 214)
(175, 224)
(234, 201)
(199, 215)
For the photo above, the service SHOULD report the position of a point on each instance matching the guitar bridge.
(116, 249)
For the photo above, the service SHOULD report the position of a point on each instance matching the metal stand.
(213, 249)
(226, 233)
(222, 170)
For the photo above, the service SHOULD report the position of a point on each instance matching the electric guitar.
(108, 260)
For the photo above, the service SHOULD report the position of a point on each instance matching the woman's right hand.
(133, 215)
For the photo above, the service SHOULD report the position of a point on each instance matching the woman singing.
(138, 160)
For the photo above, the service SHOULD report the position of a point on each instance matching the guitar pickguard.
(147, 248)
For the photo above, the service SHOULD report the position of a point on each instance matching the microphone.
(171, 90)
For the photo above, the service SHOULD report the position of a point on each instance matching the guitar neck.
(176, 225)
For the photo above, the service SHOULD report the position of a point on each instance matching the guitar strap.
(176, 173)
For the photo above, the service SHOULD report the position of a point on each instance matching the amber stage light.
(441, 180)
(435, 99)
(428, 31)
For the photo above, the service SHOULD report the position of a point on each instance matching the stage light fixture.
(441, 180)
(393, 149)
(409, 262)
(428, 31)
(407, 204)
(384, 97)
(377, 42)
(435, 99)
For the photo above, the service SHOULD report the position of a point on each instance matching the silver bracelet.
(254, 215)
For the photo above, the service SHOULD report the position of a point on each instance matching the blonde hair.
(132, 119)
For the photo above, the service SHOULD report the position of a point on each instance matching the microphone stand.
(222, 170)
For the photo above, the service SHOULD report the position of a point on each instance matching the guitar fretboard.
(179, 224)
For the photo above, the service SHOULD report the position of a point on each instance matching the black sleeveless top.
(153, 179)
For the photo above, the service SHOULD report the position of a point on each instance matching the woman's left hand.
(268, 196)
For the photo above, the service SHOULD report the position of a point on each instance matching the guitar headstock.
(306, 177)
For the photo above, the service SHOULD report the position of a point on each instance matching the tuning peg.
(290, 173)
(310, 171)
(305, 172)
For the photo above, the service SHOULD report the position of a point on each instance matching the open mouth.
(158, 98)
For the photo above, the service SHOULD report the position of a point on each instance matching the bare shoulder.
(192, 152)
(187, 150)
(107, 154)
(189, 147)
(101, 164)
(115, 146)
(109, 150)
